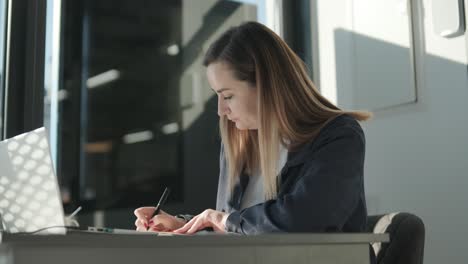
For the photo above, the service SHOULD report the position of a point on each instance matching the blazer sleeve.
(327, 190)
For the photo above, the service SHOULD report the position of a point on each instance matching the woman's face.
(236, 99)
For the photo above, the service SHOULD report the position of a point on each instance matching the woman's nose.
(222, 108)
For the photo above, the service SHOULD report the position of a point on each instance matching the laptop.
(30, 200)
(29, 193)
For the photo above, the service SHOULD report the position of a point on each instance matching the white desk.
(86, 248)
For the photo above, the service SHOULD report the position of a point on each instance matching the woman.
(291, 161)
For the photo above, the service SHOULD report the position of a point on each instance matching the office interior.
(121, 89)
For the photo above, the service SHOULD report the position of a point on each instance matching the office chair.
(407, 235)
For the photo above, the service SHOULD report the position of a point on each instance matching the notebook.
(29, 193)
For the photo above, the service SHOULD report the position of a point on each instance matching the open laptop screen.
(29, 194)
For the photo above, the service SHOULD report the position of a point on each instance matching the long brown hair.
(291, 111)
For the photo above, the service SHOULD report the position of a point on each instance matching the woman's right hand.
(162, 222)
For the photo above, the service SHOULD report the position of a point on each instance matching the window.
(127, 103)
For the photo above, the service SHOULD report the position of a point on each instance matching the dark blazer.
(321, 187)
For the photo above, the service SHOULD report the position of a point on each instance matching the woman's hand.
(209, 218)
(162, 222)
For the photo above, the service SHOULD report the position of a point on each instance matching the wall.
(417, 151)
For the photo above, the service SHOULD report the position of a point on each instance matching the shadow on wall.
(375, 75)
(372, 74)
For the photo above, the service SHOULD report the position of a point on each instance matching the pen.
(161, 202)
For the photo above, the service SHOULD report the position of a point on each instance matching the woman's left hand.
(209, 218)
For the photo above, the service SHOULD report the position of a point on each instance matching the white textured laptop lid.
(29, 194)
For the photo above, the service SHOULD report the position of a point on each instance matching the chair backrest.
(407, 234)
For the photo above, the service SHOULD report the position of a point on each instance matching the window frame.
(24, 67)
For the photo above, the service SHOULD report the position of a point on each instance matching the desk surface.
(102, 248)
(151, 240)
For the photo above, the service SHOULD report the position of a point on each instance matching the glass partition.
(127, 104)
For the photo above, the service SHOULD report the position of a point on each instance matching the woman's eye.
(227, 97)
